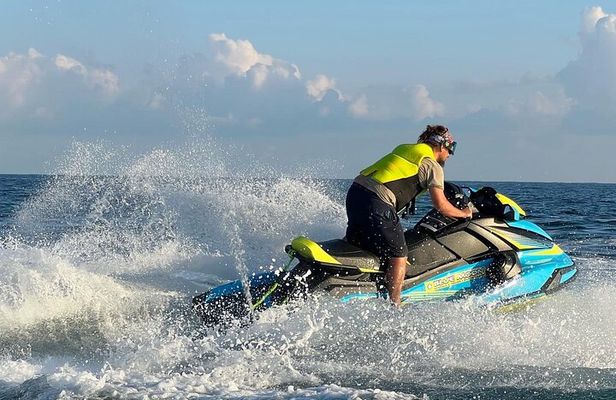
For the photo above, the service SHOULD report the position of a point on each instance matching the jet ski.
(498, 256)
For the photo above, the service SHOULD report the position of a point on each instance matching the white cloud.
(249, 95)
(590, 18)
(394, 102)
(557, 105)
(237, 55)
(359, 106)
(259, 74)
(105, 80)
(318, 87)
(28, 80)
(102, 79)
(422, 105)
(234, 78)
(591, 78)
(539, 103)
(240, 58)
(259, 90)
(70, 64)
(19, 73)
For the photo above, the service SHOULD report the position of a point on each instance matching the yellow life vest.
(398, 171)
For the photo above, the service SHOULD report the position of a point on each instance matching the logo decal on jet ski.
(453, 279)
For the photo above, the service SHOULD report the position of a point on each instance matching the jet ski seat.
(349, 254)
(425, 253)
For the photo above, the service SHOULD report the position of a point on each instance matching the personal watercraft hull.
(497, 257)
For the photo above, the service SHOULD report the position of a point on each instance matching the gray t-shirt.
(431, 174)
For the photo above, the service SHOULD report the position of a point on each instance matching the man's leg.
(395, 277)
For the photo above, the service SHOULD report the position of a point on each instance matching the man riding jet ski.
(389, 186)
(497, 256)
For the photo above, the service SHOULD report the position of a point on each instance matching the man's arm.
(443, 205)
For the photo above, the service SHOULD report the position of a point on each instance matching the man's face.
(441, 155)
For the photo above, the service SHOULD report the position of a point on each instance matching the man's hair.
(428, 136)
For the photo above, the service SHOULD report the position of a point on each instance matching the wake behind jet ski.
(498, 256)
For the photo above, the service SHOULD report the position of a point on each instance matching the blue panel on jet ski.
(529, 226)
(556, 260)
(568, 276)
(223, 290)
(357, 296)
(537, 268)
(528, 282)
(256, 281)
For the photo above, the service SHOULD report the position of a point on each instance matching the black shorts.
(373, 224)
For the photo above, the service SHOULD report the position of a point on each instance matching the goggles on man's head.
(450, 146)
(447, 143)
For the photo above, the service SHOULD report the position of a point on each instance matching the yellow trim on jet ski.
(265, 296)
(553, 251)
(370, 271)
(426, 296)
(507, 201)
(311, 250)
(510, 237)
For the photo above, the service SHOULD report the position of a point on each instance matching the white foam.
(40, 286)
(95, 289)
(17, 371)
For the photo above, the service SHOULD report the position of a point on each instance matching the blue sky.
(525, 86)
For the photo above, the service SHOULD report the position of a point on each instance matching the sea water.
(99, 262)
